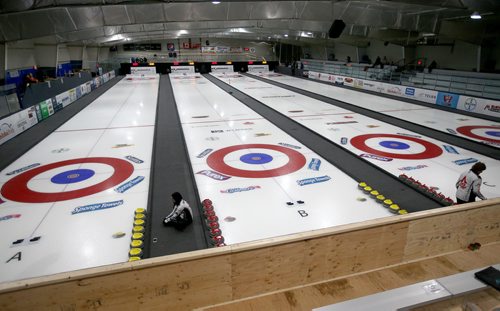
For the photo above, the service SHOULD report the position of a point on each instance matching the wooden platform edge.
(212, 276)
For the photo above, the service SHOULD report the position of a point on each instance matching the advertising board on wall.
(258, 68)
(17, 123)
(143, 70)
(479, 105)
(447, 99)
(182, 69)
(222, 68)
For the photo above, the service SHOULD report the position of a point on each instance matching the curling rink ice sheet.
(396, 150)
(477, 129)
(64, 199)
(250, 169)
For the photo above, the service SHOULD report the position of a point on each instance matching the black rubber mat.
(170, 172)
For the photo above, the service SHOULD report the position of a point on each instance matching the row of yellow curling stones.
(380, 198)
(212, 222)
(137, 242)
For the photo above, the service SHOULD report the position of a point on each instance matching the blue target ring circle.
(256, 158)
(394, 144)
(493, 133)
(72, 176)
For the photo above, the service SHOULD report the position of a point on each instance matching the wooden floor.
(337, 290)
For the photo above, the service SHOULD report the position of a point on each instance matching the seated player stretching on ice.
(469, 184)
(181, 215)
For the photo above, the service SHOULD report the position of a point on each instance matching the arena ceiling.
(114, 22)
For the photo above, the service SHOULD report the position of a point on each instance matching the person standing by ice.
(469, 184)
(181, 215)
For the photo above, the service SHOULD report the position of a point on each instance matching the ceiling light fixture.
(286, 35)
(215, 2)
(475, 15)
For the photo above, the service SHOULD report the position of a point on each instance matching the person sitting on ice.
(181, 215)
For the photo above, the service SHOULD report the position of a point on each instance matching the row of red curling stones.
(212, 222)
(137, 241)
(380, 198)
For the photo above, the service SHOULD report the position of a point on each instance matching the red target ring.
(467, 131)
(16, 189)
(216, 162)
(431, 150)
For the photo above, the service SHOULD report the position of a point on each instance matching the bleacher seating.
(461, 82)
(475, 84)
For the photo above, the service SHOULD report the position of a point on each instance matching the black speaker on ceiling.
(336, 28)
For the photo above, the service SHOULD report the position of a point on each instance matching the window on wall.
(142, 47)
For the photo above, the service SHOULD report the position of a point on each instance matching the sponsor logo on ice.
(124, 187)
(375, 157)
(6, 217)
(411, 168)
(465, 161)
(204, 153)
(450, 149)
(289, 145)
(134, 159)
(314, 180)
(213, 175)
(314, 164)
(22, 169)
(96, 207)
(234, 190)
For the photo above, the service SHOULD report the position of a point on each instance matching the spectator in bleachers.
(432, 66)
(469, 184)
(181, 215)
(348, 59)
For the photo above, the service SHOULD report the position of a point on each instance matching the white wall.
(75, 52)
(89, 58)
(63, 57)
(461, 56)
(340, 50)
(262, 50)
(45, 55)
(377, 48)
(20, 55)
(317, 51)
(103, 53)
(343, 50)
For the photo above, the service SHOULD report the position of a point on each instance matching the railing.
(480, 85)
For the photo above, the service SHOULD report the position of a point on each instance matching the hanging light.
(475, 15)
